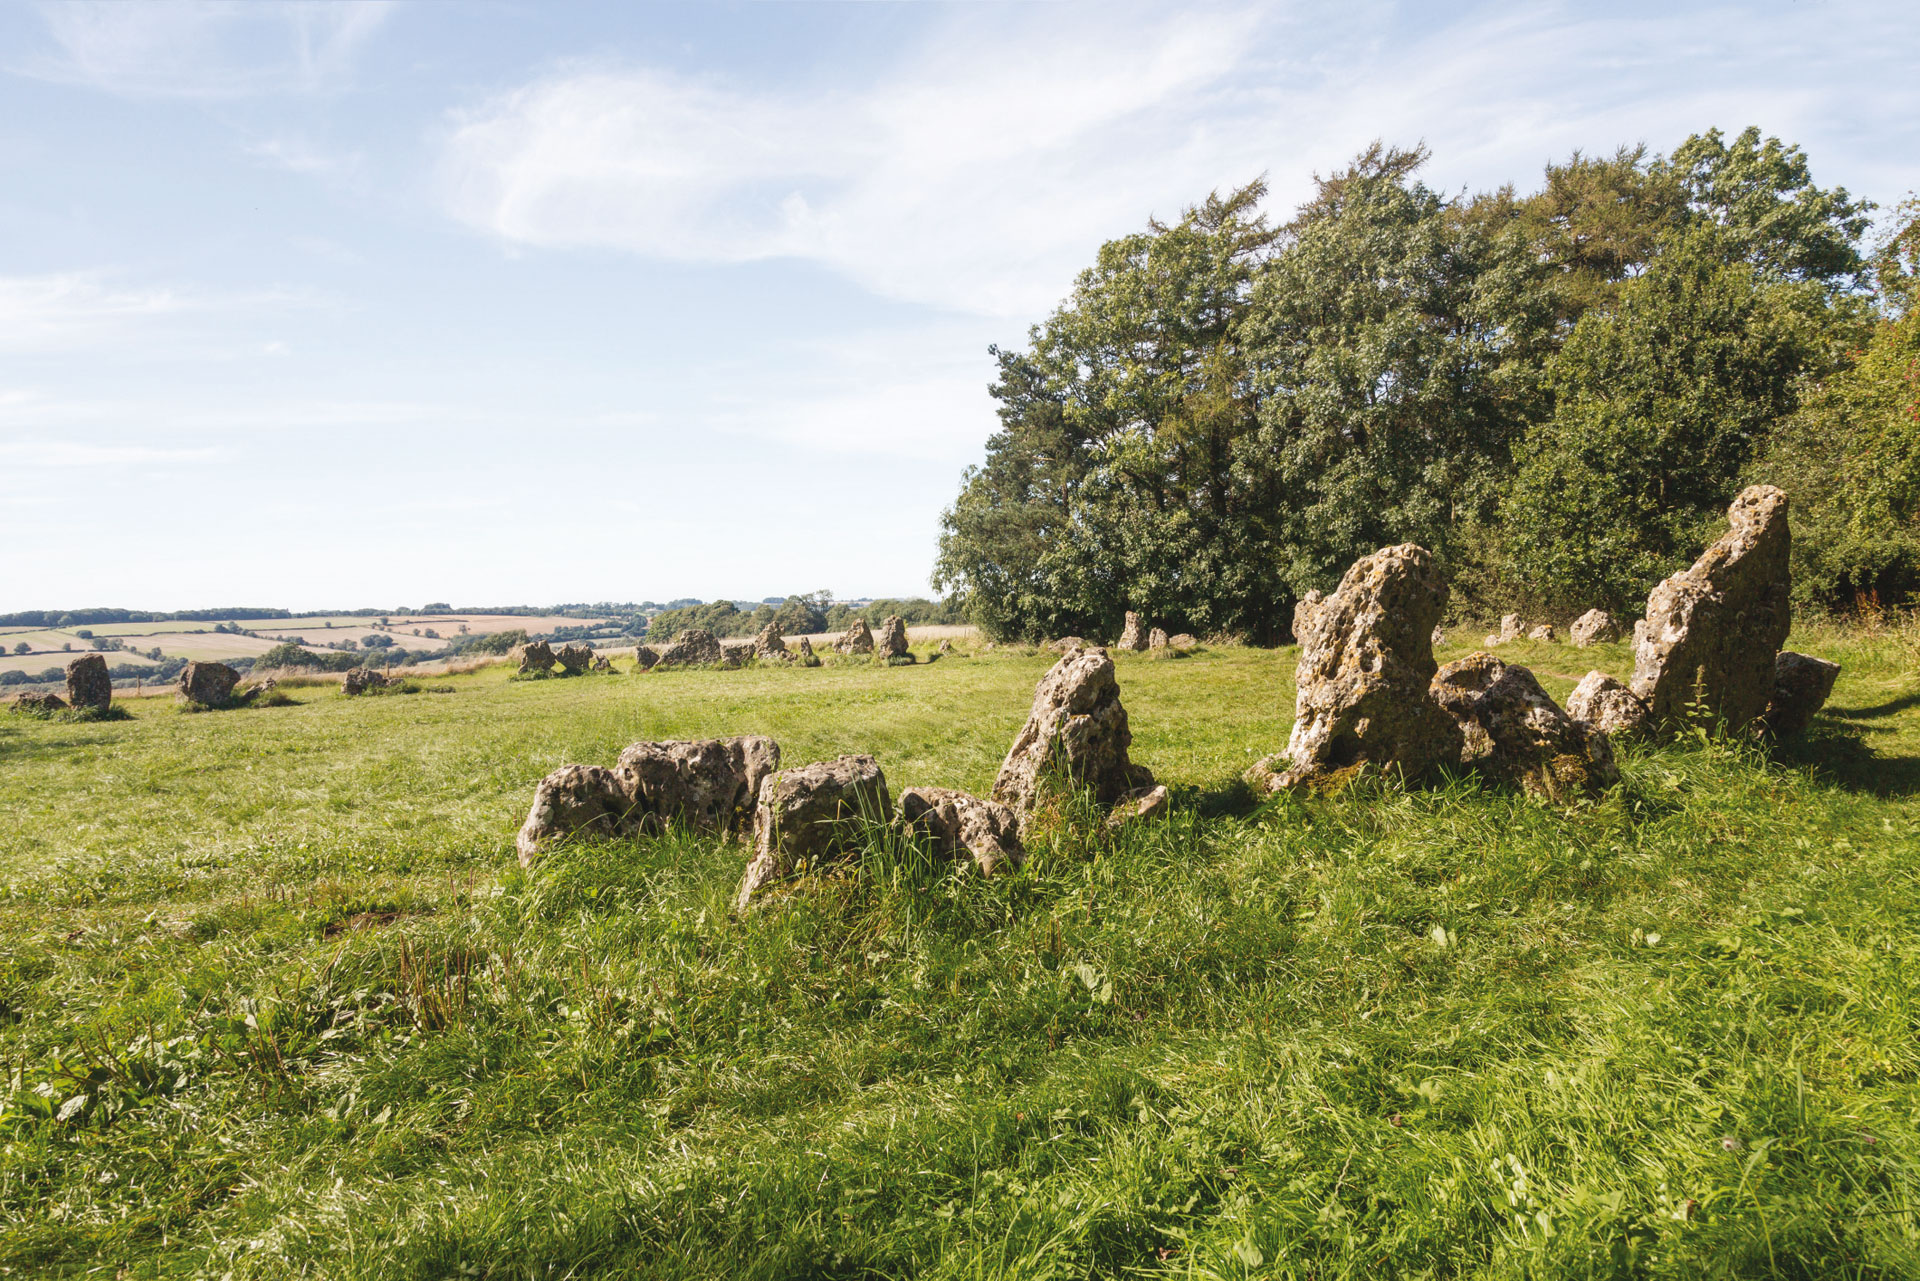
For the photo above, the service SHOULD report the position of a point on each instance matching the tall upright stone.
(891, 640)
(88, 684)
(1076, 733)
(208, 684)
(770, 646)
(857, 639)
(1706, 650)
(1134, 637)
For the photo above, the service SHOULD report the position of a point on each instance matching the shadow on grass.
(1878, 710)
(1841, 755)
(1227, 798)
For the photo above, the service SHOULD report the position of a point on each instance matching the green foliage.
(721, 617)
(292, 657)
(490, 643)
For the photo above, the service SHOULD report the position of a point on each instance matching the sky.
(339, 304)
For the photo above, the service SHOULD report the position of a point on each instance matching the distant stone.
(88, 684)
(735, 653)
(959, 823)
(1706, 652)
(646, 657)
(771, 646)
(1303, 611)
(361, 679)
(574, 801)
(574, 658)
(1076, 733)
(1490, 640)
(1366, 657)
(1134, 637)
(1439, 636)
(534, 656)
(1513, 732)
(891, 640)
(805, 647)
(1157, 638)
(810, 816)
(208, 684)
(857, 639)
(39, 701)
(1510, 627)
(1184, 640)
(944, 647)
(1801, 686)
(1607, 705)
(1544, 632)
(1067, 644)
(1595, 627)
(601, 663)
(708, 785)
(694, 647)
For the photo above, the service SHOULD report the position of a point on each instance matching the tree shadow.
(1840, 754)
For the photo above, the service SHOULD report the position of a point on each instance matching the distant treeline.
(795, 616)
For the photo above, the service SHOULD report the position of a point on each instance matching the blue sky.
(338, 304)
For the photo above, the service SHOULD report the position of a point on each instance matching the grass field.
(275, 1000)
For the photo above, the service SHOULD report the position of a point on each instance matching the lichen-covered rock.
(960, 823)
(1366, 657)
(208, 684)
(1706, 651)
(88, 684)
(574, 800)
(1607, 705)
(39, 701)
(1801, 686)
(1544, 632)
(645, 658)
(534, 656)
(1157, 638)
(709, 785)
(1595, 627)
(361, 679)
(891, 640)
(1514, 732)
(771, 646)
(812, 815)
(857, 639)
(574, 659)
(1078, 727)
(695, 647)
(1133, 637)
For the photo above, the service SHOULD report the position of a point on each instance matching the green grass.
(275, 1000)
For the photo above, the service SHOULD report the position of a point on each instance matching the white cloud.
(70, 454)
(78, 309)
(205, 50)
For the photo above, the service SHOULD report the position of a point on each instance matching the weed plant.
(276, 1000)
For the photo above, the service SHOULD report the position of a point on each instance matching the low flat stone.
(1140, 804)
(1544, 632)
(1595, 627)
(961, 823)
(39, 701)
(810, 816)
(694, 647)
(361, 679)
(571, 802)
(1513, 731)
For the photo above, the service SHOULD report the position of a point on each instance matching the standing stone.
(944, 647)
(1438, 638)
(696, 646)
(1607, 705)
(857, 639)
(1303, 611)
(208, 684)
(1595, 627)
(1510, 627)
(574, 800)
(709, 785)
(1515, 733)
(1134, 637)
(891, 642)
(806, 648)
(1366, 657)
(1157, 639)
(601, 663)
(959, 823)
(361, 679)
(534, 656)
(811, 815)
(1078, 726)
(1801, 687)
(770, 645)
(574, 659)
(735, 653)
(645, 658)
(1707, 650)
(88, 684)
(1544, 632)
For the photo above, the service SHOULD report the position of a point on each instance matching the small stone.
(534, 656)
(1157, 639)
(1184, 640)
(574, 659)
(1607, 705)
(1134, 636)
(805, 647)
(601, 663)
(1510, 627)
(944, 647)
(88, 684)
(574, 800)
(1595, 627)
(1067, 644)
(735, 653)
(857, 639)
(40, 701)
(1545, 633)
(208, 684)
(1801, 686)
(811, 815)
(1140, 804)
(960, 823)
(1077, 725)
(1514, 732)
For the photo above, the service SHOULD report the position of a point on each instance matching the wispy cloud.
(76, 309)
(71, 454)
(204, 50)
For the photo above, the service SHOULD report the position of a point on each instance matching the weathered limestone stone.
(944, 647)
(1607, 705)
(735, 653)
(1184, 640)
(208, 684)
(574, 658)
(88, 684)
(1077, 725)
(1157, 639)
(1515, 733)
(960, 823)
(805, 647)
(1595, 627)
(39, 701)
(1439, 636)
(891, 641)
(696, 645)
(574, 800)
(601, 663)
(857, 639)
(1801, 687)
(534, 656)
(810, 815)
(1510, 627)
(1133, 637)
(1141, 803)
(770, 645)
(360, 680)
(1544, 632)
(645, 657)
(1303, 610)
(709, 785)
(1366, 657)
(1707, 649)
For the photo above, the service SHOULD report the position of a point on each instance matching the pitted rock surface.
(534, 656)
(1607, 705)
(709, 785)
(1134, 636)
(39, 701)
(574, 800)
(857, 639)
(88, 684)
(361, 679)
(1595, 627)
(1157, 638)
(1706, 652)
(1366, 657)
(891, 640)
(1515, 733)
(735, 653)
(574, 658)
(770, 645)
(1801, 686)
(645, 658)
(963, 824)
(209, 684)
(1077, 725)
(696, 646)
(812, 815)
(1303, 612)
(1544, 632)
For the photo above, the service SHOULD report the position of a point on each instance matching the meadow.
(276, 1000)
